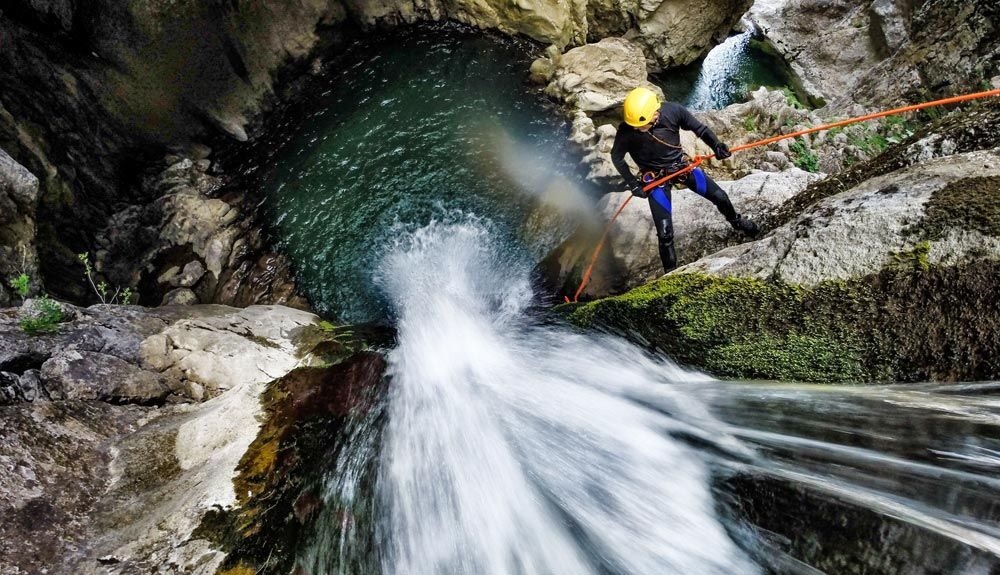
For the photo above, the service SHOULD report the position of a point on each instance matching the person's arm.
(618, 151)
(687, 121)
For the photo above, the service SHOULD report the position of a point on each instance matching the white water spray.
(515, 448)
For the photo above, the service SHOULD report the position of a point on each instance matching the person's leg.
(698, 182)
(660, 208)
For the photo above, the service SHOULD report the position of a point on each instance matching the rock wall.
(18, 203)
(878, 52)
(94, 91)
(127, 425)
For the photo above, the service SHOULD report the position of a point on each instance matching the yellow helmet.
(640, 105)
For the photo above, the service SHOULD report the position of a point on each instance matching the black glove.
(637, 189)
(722, 152)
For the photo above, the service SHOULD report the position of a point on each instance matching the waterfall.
(518, 448)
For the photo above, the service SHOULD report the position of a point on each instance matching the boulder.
(180, 296)
(924, 211)
(597, 77)
(97, 376)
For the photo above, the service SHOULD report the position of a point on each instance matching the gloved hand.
(722, 151)
(636, 189)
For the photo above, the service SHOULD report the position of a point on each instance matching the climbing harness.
(697, 160)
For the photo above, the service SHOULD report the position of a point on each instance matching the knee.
(665, 236)
(717, 195)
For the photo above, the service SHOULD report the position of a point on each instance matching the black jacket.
(666, 153)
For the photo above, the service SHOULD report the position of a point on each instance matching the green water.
(423, 124)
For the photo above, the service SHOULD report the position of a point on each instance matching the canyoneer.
(651, 135)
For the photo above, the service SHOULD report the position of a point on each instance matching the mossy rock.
(974, 126)
(278, 479)
(911, 322)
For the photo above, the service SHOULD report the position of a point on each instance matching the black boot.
(745, 225)
(668, 256)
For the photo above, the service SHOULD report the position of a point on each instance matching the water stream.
(509, 443)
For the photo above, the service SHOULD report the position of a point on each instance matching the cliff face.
(877, 52)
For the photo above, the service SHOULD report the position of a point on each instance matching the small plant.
(20, 285)
(44, 316)
(750, 124)
(120, 296)
(805, 158)
(791, 98)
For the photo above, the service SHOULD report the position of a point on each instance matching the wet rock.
(675, 34)
(631, 256)
(886, 51)
(825, 43)
(188, 239)
(112, 441)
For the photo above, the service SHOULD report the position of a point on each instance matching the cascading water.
(508, 443)
(517, 448)
(726, 75)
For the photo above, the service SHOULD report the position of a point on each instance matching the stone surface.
(631, 257)
(90, 375)
(188, 247)
(180, 296)
(865, 229)
(597, 77)
(879, 52)
(678, 32)
(104, 467)
(18, 202)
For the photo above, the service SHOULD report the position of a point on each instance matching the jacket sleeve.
(687, 121)
(618, 151)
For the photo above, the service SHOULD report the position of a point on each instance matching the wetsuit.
(658, 152)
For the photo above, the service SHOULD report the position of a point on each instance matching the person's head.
(642, 108)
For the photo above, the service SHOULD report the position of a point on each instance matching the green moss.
(917, 258)
(968, 204)
(792, 98)
(910, 322)
(793, 358)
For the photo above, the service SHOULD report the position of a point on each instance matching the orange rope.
(698, 160)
